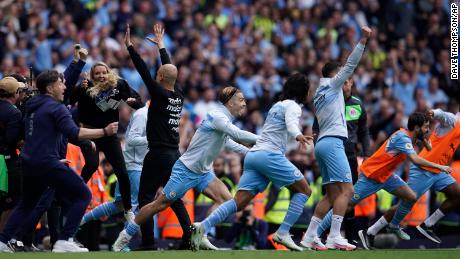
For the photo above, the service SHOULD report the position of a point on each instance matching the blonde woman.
(98, 99)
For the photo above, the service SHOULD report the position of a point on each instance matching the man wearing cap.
(10, 134)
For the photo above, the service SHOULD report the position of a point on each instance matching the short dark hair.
(5, 94)
(20, 78)
(227, 93)
(416, 119)
(296, 88)
(47, 78)
(330, 67)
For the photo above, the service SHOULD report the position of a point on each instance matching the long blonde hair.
(104, 86)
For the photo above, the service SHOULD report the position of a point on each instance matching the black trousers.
(114, 155)
(156, 171)
(72, 192)
(90, 235)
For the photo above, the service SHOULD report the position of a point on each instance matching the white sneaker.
(129, 216)
(4, 248)
(313, 243)
(65, 246)
(340, 243)
(197, 236)
(287, 241)
(206, 244)
(122, 242)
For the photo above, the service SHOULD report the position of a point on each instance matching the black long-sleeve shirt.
(358, 132)
(165, 106)
(11, 128)
(100, 111)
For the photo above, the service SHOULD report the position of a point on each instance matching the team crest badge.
(172, 194)
(297, 173)
(356, 196)
(353, 112)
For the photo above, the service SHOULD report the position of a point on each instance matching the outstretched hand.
(159, 32)
(127, 38)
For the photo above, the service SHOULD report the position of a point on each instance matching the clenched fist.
(111, 129)
(366, 32)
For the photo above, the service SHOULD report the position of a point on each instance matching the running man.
(267, 162)
(193, 168)
(445, 139)
(47, 123)
(377, 172)
(329, 150)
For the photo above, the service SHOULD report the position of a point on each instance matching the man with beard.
(377, 172)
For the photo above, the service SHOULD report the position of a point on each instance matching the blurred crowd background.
(253, 45)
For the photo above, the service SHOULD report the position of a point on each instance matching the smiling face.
(100, 74)
(237, 105)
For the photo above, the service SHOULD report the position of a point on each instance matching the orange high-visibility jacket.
(168, 222)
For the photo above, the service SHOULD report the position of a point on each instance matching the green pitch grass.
(360, 254)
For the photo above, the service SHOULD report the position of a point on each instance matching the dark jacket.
(102, 110)
(11, 128)
(165, 106)
(47, 123)
(71, 75)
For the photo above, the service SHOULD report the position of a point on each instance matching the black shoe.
(185, 245)
(366, 239)
(32, 249)
(146, 248)
(16, 245)
(428, 232)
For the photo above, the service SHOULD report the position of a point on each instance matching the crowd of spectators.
(253, 45)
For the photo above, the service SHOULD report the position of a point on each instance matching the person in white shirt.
(194, 168)
(266, 162)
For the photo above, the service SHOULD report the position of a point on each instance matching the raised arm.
(73, 71)
(353, 60)
(158, 40)
(153, 87)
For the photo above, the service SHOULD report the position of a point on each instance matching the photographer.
(250, 233)
(11, 129)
